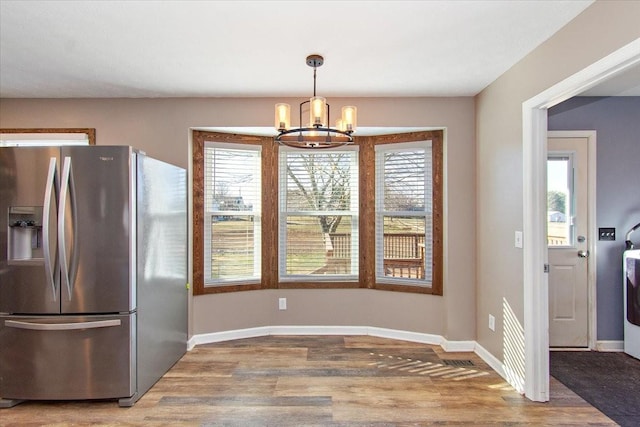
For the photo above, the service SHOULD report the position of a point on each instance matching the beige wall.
(601, 29)
(320, 307)
(161, 128)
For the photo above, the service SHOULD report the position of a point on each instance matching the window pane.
(404, 220)
(309, 251)
(233, 180)
(319, 182)
(233, 246)
(558, 201)
(232, 204)
(404, 180)
(318, 219)
(404, 249)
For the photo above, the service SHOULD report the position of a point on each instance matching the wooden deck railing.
(557, 234)
(403, 254)
(557, 241)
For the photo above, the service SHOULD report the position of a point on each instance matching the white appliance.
(631, 291)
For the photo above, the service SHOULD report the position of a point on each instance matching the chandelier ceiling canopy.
(316, 133)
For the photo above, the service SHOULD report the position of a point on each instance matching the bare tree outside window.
(321, 184)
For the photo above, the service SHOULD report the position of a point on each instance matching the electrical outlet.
(282, 303)
(492, 323)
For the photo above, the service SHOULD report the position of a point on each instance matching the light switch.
(606, 233)
(518, 239)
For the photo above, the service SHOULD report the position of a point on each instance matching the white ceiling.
(203, 48)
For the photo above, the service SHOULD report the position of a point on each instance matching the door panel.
(25, 230)
(565, 305)
(98, 239)
(70, 357)
(567, 242)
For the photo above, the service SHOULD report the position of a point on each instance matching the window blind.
(318, 238)
(404, 213)
(232, 186)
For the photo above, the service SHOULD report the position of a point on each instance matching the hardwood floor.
(321, 381)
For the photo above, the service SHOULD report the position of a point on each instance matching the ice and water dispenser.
(25, 233)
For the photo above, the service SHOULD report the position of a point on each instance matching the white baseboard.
(226, 336)
(495, 363)
(450, 346)
(331, 330)
(405, 336)
(609, 345)
(317, 330)
(460, 346)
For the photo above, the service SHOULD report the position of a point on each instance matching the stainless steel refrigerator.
(93, 271)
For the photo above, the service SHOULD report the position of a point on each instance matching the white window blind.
(318, 214)
(232, 186)
(404, 213)
(43, 139)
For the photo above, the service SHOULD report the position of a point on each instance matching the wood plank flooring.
(321, 381)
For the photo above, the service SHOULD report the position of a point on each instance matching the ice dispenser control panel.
(24, 233)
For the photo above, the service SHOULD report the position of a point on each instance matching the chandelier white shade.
(317, 132)
(283, 116)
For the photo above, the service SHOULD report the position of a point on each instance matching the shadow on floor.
(608, 381)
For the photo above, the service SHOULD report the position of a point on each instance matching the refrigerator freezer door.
(29, 276)
(97, 233)
(67, 357)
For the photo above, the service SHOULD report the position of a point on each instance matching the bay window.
(368, 215)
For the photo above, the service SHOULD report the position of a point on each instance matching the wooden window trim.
(270, 228)
(269, 218)
(367, 209)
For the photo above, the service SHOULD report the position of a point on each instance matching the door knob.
(583, 254)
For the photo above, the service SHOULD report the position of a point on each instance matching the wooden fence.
(403, 254)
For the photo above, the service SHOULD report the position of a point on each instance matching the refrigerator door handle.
(62, 326)
(50, 189)
(68, 189)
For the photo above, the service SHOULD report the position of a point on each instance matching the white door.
(567, 232)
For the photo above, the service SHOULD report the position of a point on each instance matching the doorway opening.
(536, 290)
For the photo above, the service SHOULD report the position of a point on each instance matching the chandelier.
(317, 133)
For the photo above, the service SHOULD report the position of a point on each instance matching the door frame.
(592, 232)
(534, 146)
